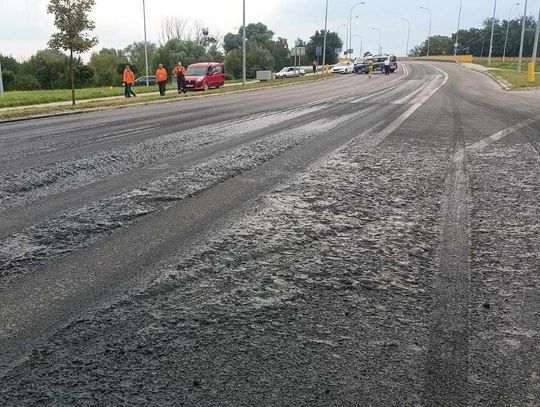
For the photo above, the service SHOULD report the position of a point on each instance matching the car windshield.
(340, 64)
(196, 71)
(286, 69)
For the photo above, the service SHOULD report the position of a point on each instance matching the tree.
(49, 66)
(8, 77)
(333, 46)
(105, 65)
(71, 20)
(135, 54)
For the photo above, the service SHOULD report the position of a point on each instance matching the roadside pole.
(1, 82)
(522, 37)
(492, 31)
(145, 45)
(324, 43)
(457, 32)
(244, 46)
(532, 65)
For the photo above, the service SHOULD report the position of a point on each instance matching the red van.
(204, 75)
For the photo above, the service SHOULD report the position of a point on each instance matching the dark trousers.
(128, 91)
(162, 87)
(314, 68)
(387, 69)
(181, 81)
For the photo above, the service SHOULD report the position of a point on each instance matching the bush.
(8, 78)
(228, 77)
(26, 82)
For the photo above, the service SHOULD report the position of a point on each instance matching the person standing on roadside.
(387, 66)
(370, 67)
(129, 80)
(161, 79)
(314, 64)
(180, 73)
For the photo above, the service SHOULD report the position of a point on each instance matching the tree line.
(475, 41)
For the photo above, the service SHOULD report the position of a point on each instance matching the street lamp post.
(408, 36)
(458, 24)
(507, 28)
(522, 36)
(429, 31)
(1, 82)
(145, 45)
(349, 36)
(244, 44)
(535, 47)
(492, 31)
(337, 30)
(361, 44)
(349, 30)
(379, 30)
(324, 42)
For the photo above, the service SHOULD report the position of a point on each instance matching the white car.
(289, 72)
(342, 67)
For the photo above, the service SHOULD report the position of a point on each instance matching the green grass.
(171, 96)
(37, 97)
(509, 63)
(514, 79)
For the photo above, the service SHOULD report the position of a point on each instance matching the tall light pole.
(408, 36)
(244, 44)
(522, 36)
(1, 82)
(324, 42)
(429, 31)
(349, 30)
(507, 28)
(361, 44)
(379, 30)
(535, 47)
(337, 30)
(349, 36)
(492, 31)
(457, 32)
(145, 44)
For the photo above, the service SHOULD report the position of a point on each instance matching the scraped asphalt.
(347, 242)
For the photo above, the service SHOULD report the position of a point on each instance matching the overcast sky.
(25, 26)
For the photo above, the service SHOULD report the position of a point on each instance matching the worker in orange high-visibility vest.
(180, 73)
(129, 80)
(161, 79)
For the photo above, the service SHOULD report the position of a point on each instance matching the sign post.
(1, 82)
(298, 52)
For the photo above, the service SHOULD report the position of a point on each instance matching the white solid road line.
(480, 145)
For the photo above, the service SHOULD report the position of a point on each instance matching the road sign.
(349, 51)
(456, 45)
(299, 51)
(318, 50)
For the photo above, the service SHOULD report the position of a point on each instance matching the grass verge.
(515, 80)
(509, 63)
(37, 97)
(171, 96)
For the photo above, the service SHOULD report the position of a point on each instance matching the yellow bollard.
(531, 72)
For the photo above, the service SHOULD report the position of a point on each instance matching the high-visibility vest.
(161, 74)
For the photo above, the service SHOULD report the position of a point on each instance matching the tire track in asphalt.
(447, 364)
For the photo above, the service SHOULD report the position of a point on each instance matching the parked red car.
(204, 75)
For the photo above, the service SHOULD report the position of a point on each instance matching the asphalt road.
(348, 242)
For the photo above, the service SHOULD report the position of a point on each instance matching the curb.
(150, 102)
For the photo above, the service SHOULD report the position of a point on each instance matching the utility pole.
(457, 32)
(349, 31)
(429, 32)
(1, 82)
(522, 37)
(408, 36)
(507, 29)
(145, 44)
(244, 46)
(492, 30)
(324, 41)
(535, 48)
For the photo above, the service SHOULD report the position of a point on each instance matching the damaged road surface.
(347, 242)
